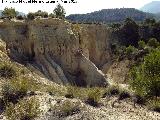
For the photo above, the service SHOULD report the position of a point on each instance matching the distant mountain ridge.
(110, 15)
(152, 7)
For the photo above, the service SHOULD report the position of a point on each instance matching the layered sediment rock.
(63, 52)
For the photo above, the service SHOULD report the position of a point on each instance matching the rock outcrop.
(61, 51)
(98, 37)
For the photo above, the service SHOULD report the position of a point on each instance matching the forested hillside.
(130, 32)
(110, 15)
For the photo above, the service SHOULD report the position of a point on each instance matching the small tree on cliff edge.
(59, 11)
(9, 12)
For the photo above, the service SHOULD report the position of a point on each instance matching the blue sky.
(82, 6)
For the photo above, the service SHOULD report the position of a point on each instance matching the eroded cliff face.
(98, 37)
(61, 51)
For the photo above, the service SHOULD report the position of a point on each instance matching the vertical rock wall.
(98, 37)
(60, 50)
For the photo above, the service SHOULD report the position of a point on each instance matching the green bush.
(94, 93)
(14, 90)
(124, 94)
(66, 108)
(70, 92)
(141, 44)
(23, 110)
(43, 14)
(8, 94)
(17, 88)
(112, 90)
(7, 70)
(153, 42)
(9, 12)
(129, 50)
(20, 17)
(52, 89)
(93, 96)
(76, 92)
(145, 79)
(51, 15)
(30, 16)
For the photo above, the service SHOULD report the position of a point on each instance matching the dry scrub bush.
(24, 110)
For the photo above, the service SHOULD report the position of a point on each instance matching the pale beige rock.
(98, 37)
(118, 71)
(94, 74)
(51, 45)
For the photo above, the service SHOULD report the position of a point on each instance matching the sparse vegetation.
(42, 14)
(154, 104)
(121, 93)
(16, 89)
(7, 70)
(93, 97)
(66, 108)
(112, 90)
(51, 15)
(52, 90)
(124, 94)
(26, 109)
(70, 92)
(139, 99)
(85, 94)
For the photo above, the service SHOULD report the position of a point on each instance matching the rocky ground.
(123, 110)
(55, 107)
